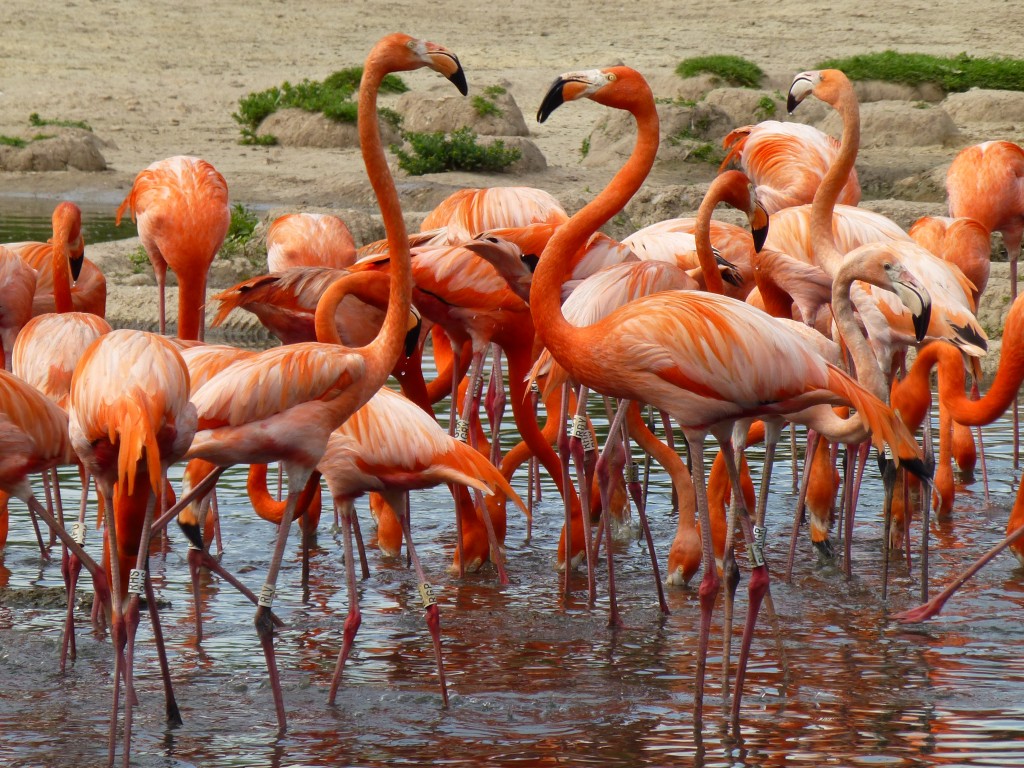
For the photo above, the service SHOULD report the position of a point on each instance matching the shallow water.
(537, 679)
(29, 218)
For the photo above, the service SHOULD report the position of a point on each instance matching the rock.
(672, 86)
(747, 105)
(653, 204)
(880, 90)
(903, 212)
(686, 133)
(985, 106)
(69, 148)
(298, 128)
(426, 113)
(898, 124)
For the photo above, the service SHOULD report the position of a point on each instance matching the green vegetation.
(12, 141)
(765, 107)
(139, 260)
(243, 224)
(950, 73)
(707, 152)
(487, 104)
(438, 152)
(585, 147)
(332, 97)
(37, 121)
(733, 70)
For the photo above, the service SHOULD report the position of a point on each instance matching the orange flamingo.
(986, 182)
(59, 261)
(130, 418)
(181, 207)
(466, 213)
(17, 286)
(391, 446)
(298, 394)
(912, 395)
(707, 360)
(786, 162)
(963, 241)
(309, 240)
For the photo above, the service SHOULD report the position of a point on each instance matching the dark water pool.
(28, 218)
(536, 679)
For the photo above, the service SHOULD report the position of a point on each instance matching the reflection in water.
(537, 679)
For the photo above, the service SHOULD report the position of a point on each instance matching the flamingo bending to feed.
(88, 292)
(130, 418)
(707, 360)
(309, 240)
(181, 207)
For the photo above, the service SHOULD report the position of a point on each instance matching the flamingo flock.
(806, 318)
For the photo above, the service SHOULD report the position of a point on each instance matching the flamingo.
(467, 212)
(705, 359)
(962, 241)
(786, 162)
(129, 419)
(17, 286)
(181, 207)
(986, 182)
(309, 240)
(296, 395)
(88, 292)
(391, 446)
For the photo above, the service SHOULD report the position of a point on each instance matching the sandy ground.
(158, 80)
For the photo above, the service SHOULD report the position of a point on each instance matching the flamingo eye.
(491, 240)
(611, 77)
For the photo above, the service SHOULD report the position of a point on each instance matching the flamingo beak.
(412, 334)
(76, 265)
(802, 85)
(447, 63)
(916, 299)
(567, 87)
(759, 226)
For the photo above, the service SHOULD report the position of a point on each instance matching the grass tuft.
(950, 73)
(35, 120)
(734, 70)
(332, 97)
(438, 152)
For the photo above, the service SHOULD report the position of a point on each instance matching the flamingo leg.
(636, 492)
(433, 615)
(563, 457)
(298, 476)
(609, 465)
(354, 617)
(583, 452)
(710, 582)
(801, 502)
(495, 403)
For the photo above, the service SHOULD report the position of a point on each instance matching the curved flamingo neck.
(721, 190)
(545, 292)
(868, 372)
(66, 228)
(822, 238)
(369, 287)
(383, 351)
(263, 504)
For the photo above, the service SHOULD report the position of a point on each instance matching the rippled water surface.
(535, 678)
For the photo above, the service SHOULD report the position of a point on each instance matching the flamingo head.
(507, 258)
(879, 266)
(824, 84)
(67, 231)
(612, 86)
(406, 53)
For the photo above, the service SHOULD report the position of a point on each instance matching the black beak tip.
(76, 267)
(531, 260)
(458, 79)
(760, 237)
(412, 338)
(552, 101)
(192, 533)
(791, 103)
(921, 323)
